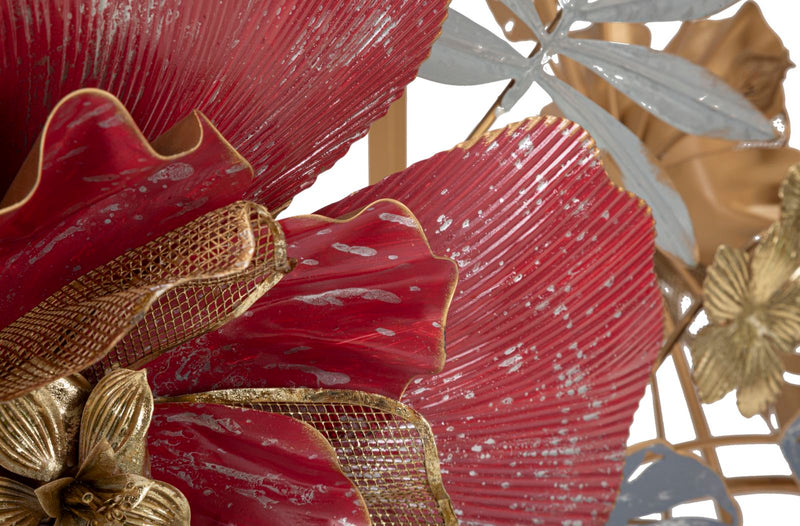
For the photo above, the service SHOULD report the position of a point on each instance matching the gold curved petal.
(726, 284)
(717, 360)
(790, 196)
(762, 379)
(772, 263)
(33, 441)
(19, 505)
(119, 411)
(161, 505)
(782, 316)
(49, 496)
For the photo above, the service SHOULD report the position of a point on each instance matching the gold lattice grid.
(384, 447)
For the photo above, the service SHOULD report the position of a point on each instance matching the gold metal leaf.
(718, 360)
(772, 263)
(790, 196)
(119, 411)
(19, 505)
(33, 441)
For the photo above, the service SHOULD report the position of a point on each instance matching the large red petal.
(553, 327)
(364, 309)
(245, 467)
(290, 83)
(94, 188)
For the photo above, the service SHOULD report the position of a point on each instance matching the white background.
(441, 116)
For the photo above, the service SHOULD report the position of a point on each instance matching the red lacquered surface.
(103, 190)
(364, 309)
(553, 327)
(242, 467)
(290, 83)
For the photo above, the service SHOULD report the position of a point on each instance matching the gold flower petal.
(33, 441)
(762, 379)
(49, 496)
(790, 196)
(119, 411)
(162, 505)
(782, 316)
(18, 504)
(717, 361)
(726, 284)
(772, 263)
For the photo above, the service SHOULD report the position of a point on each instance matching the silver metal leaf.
(790, 445)
(645, 10)
(673, 226)
(673, 89)
(670, 480)
(526, 11)
(468, 54)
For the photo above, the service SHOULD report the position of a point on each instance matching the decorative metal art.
(87, 455)
(673, 89)
(386, 448)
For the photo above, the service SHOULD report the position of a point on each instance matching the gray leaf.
(673, 226)
(526, 11)
(648, 10)
(678, 92)
(790, 444)
(670, 480)
(467, 53)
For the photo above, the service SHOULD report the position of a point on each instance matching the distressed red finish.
(242, 467)
(553, 327)
(364, 309)
(94, 188)
(290, 83)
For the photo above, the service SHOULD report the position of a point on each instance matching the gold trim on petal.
(386, 448)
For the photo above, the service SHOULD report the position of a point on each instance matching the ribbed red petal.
(247, 467)
(553, 327)
(290, 83)
(95, 188)
(364, 309)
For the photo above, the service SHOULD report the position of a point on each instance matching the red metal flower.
(553, 324)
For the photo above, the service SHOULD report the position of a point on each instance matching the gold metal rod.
(388, 142)
(762, 484)
(731, 440)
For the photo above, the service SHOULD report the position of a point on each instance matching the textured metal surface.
(672, 88)
(553, 326)
(365, 308)
(147, 300)
(256, 69)
(668, 480)
(646, 10)
(384, 447)
(243, 467)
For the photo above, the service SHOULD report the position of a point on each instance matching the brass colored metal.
(106, 483)
(183, 284)
(386, 448)
(387, 142)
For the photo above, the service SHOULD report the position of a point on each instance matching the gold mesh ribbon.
(384, 447)
(178, 286)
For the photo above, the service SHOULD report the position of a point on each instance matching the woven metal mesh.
(386, 449)
(147, 300)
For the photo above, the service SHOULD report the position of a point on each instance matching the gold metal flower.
(98, 480)
(753, 305)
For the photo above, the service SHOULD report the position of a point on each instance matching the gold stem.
(387, 142)
(731, 440)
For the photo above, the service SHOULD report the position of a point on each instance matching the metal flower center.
(100, 508)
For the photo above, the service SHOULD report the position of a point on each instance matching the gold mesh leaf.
(178, 286)
(385, 448)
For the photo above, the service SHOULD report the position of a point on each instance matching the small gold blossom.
(753, 305)
(100, 480)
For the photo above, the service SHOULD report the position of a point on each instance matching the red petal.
(260, 70)
(96, 189)
(553, 328)
(363, 309)
(244, 467)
